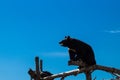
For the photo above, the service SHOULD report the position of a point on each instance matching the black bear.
(79, 51)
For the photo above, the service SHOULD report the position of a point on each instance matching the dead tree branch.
(87, 70)
(83, 70)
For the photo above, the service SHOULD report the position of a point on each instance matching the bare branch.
(87, 70)
(83, 70)
(64, 74)
(107, 69)
(96, 67)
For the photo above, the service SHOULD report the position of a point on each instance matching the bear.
(79, 51)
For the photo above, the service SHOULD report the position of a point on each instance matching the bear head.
(66, 42)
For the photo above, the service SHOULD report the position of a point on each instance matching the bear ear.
(67, 37)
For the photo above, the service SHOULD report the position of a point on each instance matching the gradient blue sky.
(30, 28)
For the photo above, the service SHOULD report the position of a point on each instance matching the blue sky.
(30, 28)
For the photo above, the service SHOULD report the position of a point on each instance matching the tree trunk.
(88, 75)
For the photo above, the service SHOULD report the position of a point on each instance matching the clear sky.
(30, 28)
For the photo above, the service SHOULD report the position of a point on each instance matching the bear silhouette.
(79, 51)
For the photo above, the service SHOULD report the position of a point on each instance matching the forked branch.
(83, 70)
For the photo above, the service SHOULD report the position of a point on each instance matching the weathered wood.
(72, 72)
(87, 70)
(37, 68)
(88, 75)
(107, 69)
(41, 64)
(32, 74)
(79, 63)
(83, 70)
(95, 67)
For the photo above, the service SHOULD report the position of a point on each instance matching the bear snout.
(61, 43)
